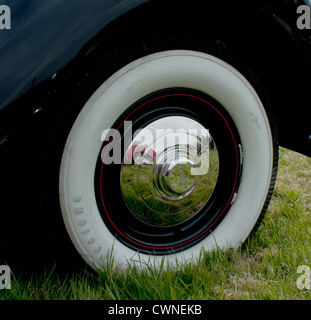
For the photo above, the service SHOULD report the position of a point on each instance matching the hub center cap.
(173, 178)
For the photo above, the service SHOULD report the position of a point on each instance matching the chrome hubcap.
(173, 172)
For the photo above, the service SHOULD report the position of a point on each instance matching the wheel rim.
(172, 209)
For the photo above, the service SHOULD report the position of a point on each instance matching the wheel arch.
(253, 31)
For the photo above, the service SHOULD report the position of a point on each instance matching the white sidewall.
(177, 68)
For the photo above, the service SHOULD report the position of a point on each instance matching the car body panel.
(46, 35)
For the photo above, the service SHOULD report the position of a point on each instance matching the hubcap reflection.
(170, 171)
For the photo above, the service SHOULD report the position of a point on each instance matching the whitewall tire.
(170, 73)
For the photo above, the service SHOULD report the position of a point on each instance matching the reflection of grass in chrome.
(175, 211)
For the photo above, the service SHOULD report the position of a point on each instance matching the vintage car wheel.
(204, 173)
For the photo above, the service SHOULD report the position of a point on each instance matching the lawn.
(263, 268)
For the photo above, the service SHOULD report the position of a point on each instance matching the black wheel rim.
(135, 228)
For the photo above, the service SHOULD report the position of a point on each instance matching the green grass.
(264, 268)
